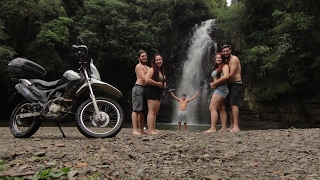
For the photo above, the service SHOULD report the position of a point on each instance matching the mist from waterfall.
(194, 75)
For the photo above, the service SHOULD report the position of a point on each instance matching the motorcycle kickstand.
(56, 123)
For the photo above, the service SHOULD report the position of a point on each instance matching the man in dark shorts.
(138, 89)
(234, 85)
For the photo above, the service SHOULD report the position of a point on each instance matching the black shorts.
(153, 92)
(234, 92)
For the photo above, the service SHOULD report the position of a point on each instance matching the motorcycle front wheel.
(107, 124)
(24, 127)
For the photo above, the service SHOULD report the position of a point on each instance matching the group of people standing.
(151, 81)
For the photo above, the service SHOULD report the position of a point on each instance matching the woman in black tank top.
(156, 81)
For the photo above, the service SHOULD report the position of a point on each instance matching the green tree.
(50, 43)
(6, 53)
(277, 42)
(37, 30)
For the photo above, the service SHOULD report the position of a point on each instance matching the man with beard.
(138, 90)
(234, 85)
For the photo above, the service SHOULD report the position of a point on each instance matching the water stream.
(195, 74)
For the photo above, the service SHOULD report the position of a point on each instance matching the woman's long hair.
(216, 66)
(157, 69)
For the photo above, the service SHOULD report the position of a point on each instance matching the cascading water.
(195, 74)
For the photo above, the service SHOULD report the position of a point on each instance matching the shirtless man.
(138, 89)
(234, 85)
(182, 113)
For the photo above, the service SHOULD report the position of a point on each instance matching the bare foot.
(144, 132)
(178, 130)
(157, 131)
(136, 133)
(235, 130)
(186, 131)
(153, 132)
(229, 128)
(211, 131)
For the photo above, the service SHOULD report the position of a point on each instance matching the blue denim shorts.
(222, 91)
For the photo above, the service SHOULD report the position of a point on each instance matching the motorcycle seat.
(44, 84)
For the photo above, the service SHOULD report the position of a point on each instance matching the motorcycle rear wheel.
(23, 127)
(108, 126)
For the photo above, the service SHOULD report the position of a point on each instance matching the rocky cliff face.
(285, 113)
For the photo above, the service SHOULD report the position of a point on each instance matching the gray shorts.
(222, 91)
(137, 97)
(182, 116)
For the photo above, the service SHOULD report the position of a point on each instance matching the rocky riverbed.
(253, 154)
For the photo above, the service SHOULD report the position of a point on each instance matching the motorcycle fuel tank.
(71, 75)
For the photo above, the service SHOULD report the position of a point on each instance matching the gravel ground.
(254, 154)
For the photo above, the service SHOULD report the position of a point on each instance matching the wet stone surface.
(255, 154)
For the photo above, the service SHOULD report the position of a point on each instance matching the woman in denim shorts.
(217, 103)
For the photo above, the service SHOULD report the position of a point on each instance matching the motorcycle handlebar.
(81, 50)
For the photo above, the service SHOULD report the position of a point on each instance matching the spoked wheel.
(107, 124)
(24, 120)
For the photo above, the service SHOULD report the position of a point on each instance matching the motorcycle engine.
(58, 108)
(54, 110)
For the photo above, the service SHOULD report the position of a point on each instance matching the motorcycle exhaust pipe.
(25, 92)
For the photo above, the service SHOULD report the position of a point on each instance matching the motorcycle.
(71, 96)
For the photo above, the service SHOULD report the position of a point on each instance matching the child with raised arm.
(182, 113)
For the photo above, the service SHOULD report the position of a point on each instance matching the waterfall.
(195, 74)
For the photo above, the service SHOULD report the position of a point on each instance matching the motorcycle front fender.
(99, 85)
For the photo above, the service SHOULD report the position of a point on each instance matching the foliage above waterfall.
(278, 44)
